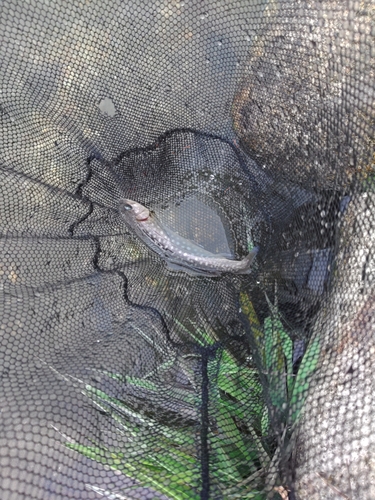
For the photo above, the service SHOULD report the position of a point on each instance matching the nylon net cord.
(158, 363)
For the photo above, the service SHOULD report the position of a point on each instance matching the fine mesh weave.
(239, 124)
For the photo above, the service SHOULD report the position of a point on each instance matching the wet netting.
(216, 341)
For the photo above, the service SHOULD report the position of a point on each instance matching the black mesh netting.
(238, 124)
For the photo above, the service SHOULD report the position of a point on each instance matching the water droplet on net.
(107, 107)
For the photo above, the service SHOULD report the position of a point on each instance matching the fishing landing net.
(239, 124)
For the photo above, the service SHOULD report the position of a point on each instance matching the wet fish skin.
(179, 253)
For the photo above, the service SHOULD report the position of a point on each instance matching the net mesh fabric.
(239, 124)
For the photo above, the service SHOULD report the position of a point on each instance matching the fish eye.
(127, 206)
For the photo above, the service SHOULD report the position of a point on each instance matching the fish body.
(179, 253)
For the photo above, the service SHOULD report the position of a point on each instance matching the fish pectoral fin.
(224, 255)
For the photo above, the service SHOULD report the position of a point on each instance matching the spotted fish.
(179, 253)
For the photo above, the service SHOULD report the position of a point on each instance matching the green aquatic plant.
(168, 461)
(162, 454)
(165, 457)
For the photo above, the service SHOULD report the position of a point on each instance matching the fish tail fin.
(248, 260)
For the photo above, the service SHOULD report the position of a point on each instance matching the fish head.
(133, 211)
